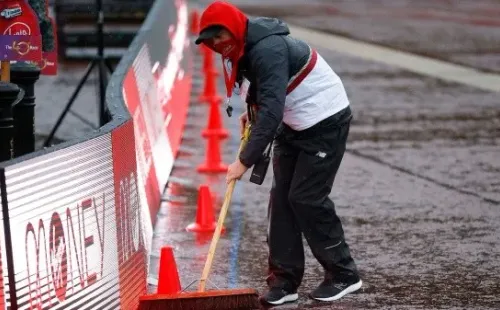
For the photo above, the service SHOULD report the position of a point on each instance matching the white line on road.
(411, 62)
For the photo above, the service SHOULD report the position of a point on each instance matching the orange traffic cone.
(210, 89)
(205, 219)
(208, 60)
(168, 277)
(195, 22)
(209, 92)
(213, 162)
(214, 125)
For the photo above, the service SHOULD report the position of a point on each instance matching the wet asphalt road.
(418, 193)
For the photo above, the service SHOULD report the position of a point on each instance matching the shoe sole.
(350, 289)
(287, 298)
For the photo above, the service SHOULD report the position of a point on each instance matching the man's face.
(222, 36)
(222, 42)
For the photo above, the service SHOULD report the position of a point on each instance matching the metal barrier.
(77, 218)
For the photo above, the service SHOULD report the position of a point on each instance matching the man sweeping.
(301, 108)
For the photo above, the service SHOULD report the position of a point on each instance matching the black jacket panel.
(271, 59)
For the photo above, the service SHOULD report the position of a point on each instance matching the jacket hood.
(261, 27)
(222, 13)
(246, 32)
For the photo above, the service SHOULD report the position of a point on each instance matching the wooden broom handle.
(220, 222)
(217, 233)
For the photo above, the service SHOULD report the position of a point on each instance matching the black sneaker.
(330, 290)
(277, 296)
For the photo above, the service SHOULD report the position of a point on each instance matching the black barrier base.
(102, 63)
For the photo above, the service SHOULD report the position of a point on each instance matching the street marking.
(408, 61)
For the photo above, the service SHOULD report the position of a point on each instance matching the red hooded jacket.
(222, 13)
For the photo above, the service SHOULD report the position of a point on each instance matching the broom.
(235, 299)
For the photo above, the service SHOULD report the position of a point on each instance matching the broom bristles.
(210, 300)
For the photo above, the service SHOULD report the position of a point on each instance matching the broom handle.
(215, 239)
(220, 222)
(5, 73)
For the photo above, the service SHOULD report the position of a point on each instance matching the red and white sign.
(21, 39)
(145, 166)
(158, 100)
(3, 274)
(81, 233)
(65, 254)
(130, 219)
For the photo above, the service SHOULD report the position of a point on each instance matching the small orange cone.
(210, 89)
(209, 92)
(205, 219)
(195, 22)
(208, 59)
(168, 277)
(214, 125)
(213, 162)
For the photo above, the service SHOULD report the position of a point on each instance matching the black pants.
(305, 164)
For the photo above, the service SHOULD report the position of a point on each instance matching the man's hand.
(235, 171)
(243, 122)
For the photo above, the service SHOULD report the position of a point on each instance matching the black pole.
(24, 75)
(102, 64)
(8, 243)
(10, 94)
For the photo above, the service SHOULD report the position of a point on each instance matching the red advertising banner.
(132, 255)
(156, 91)
(145, 163)
(173, 81)
(2, 290)
(176, 109)
(21, 39)
(62, 214)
